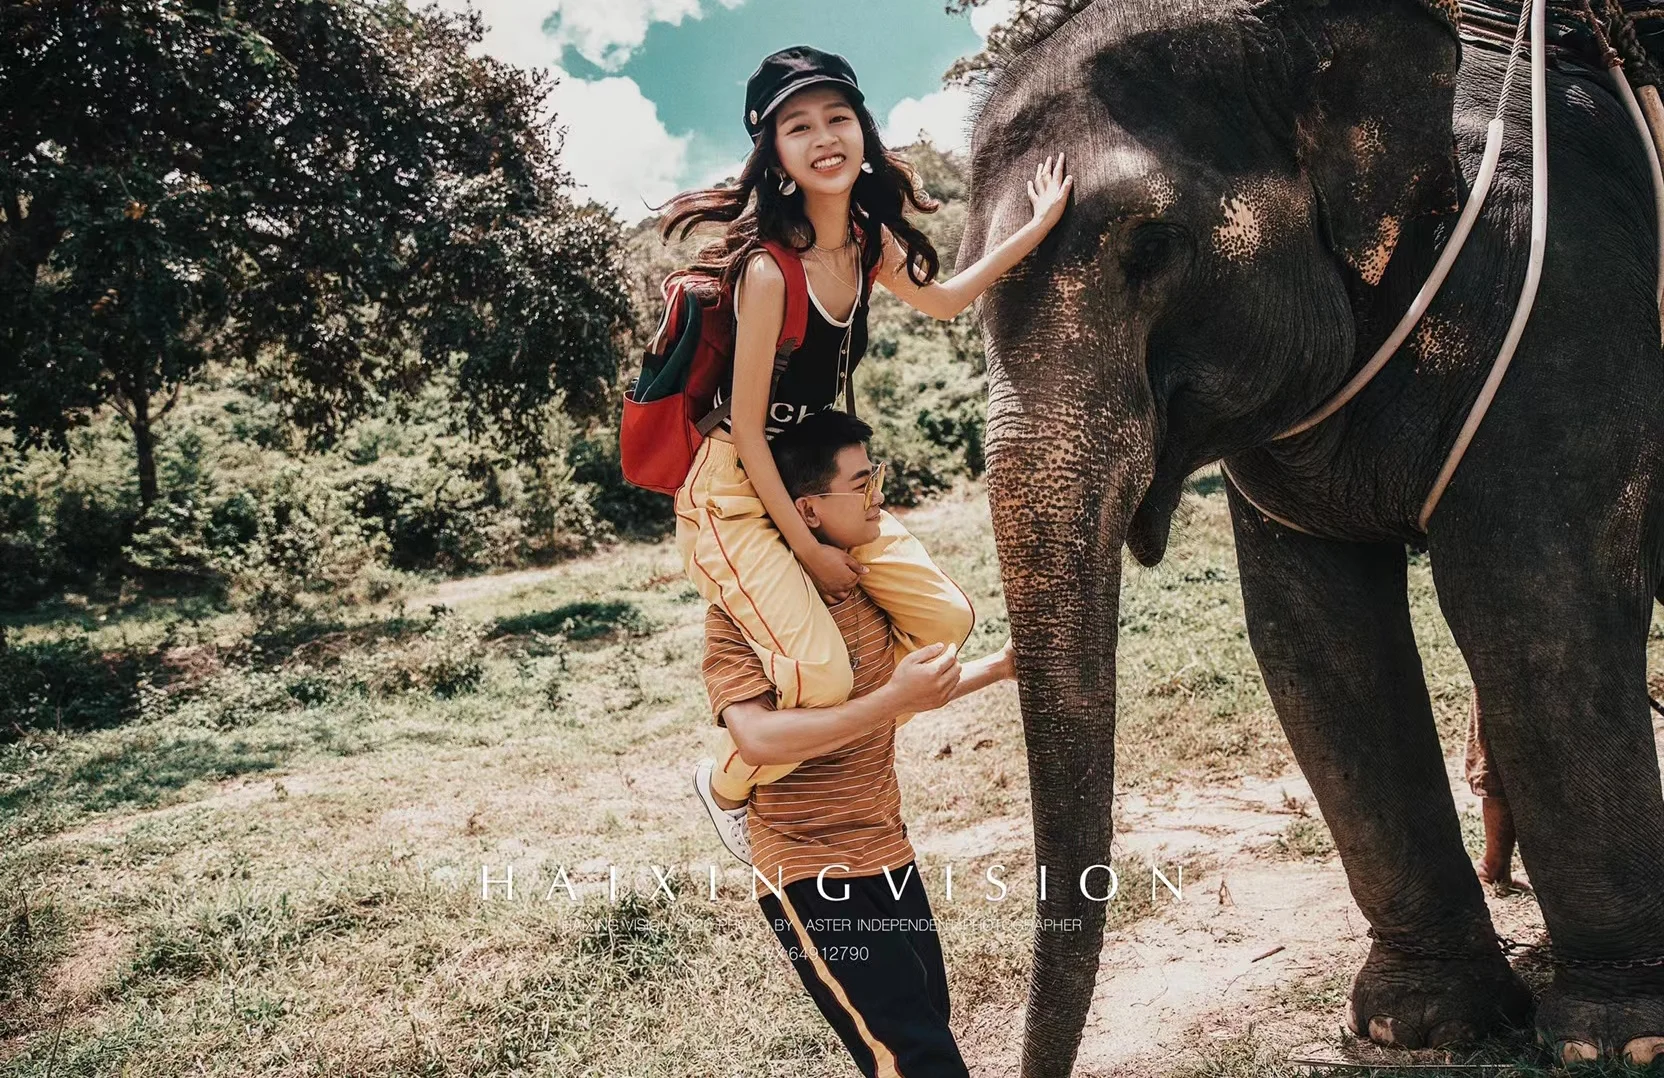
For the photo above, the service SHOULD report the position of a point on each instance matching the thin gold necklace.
(845, 281)
(849, 237)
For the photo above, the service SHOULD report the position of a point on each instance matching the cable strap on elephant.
(1623, 55)
(1534, 267)
(1447, 258)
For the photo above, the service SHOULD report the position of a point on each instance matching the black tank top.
(810, 382)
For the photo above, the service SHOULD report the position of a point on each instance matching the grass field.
(253, 854)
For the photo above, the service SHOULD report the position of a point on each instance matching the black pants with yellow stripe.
(873, 964)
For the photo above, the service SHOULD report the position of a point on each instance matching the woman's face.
(818, 125)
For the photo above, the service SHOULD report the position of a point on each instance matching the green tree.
(1028, 20)
(333, 191)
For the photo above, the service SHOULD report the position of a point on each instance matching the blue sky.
(651, 90)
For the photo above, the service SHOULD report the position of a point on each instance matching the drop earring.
(787, 186)
(866, 166)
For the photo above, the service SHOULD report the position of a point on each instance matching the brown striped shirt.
(842, 808)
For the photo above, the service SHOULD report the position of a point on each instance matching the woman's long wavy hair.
(878, 198)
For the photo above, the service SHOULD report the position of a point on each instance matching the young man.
(851, 910)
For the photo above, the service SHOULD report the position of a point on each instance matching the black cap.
(784, 73)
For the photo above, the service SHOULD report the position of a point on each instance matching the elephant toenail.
(1452, 1032)
(1643, 1050)
(1384, 1029)
(1578, 1052)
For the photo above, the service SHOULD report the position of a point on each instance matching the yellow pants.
(738, 560)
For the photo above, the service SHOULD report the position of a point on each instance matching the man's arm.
(980, 673)
(922, 681)
(742, 699)
(765, 735)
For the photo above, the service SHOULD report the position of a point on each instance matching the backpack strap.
(669, 325)
(792, 329)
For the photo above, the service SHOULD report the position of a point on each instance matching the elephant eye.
(1149, 249)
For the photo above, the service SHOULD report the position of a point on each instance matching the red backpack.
(665, 416)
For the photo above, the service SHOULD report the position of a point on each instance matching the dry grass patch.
(272, 864)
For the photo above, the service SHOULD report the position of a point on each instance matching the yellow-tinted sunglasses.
(875, 484)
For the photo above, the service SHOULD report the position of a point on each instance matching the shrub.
(239, 696)
(631, 511)
(446, 659)
(583, 620)
(308, 556)
(66, 683)
(62, 526)
(928, 413)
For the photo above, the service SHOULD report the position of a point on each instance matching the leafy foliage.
(1030, 22)
(287, 537)
(923, 384)
(255, 513)
(66, 685)
(334, 191)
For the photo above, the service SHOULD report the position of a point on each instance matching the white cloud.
(940, 116)
(513, 31)
(604, 32)
(616, 147)
(991, 14)
(717, 172)
(607, 32)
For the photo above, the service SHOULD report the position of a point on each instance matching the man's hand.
(833, 569)
(926, 678)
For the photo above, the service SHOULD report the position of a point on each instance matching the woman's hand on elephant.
(1049, 191)
(833, 569)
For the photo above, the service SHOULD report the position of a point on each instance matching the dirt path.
(1259, 943)
(468, 588)
(1193, 971)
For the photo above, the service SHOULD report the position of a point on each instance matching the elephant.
(1262, 187)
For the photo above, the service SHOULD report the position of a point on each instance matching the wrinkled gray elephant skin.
(1261, 188)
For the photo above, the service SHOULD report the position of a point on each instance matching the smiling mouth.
(829, 164)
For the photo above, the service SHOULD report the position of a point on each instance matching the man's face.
(838, 517)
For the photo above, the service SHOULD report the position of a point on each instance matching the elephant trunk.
(1064, 477)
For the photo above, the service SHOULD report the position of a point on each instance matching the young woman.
(826, 187)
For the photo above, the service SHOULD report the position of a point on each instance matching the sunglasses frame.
(875, 484)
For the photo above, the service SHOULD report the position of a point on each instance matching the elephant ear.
(1373, 126)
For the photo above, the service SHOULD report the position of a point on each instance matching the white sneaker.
(730, 823)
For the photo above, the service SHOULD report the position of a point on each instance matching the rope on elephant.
(1582, 30)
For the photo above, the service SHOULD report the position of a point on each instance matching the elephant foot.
(1402, 1000)
(1579, 1023)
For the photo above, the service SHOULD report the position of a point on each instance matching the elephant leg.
(1558, 658)
(1330, 625)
